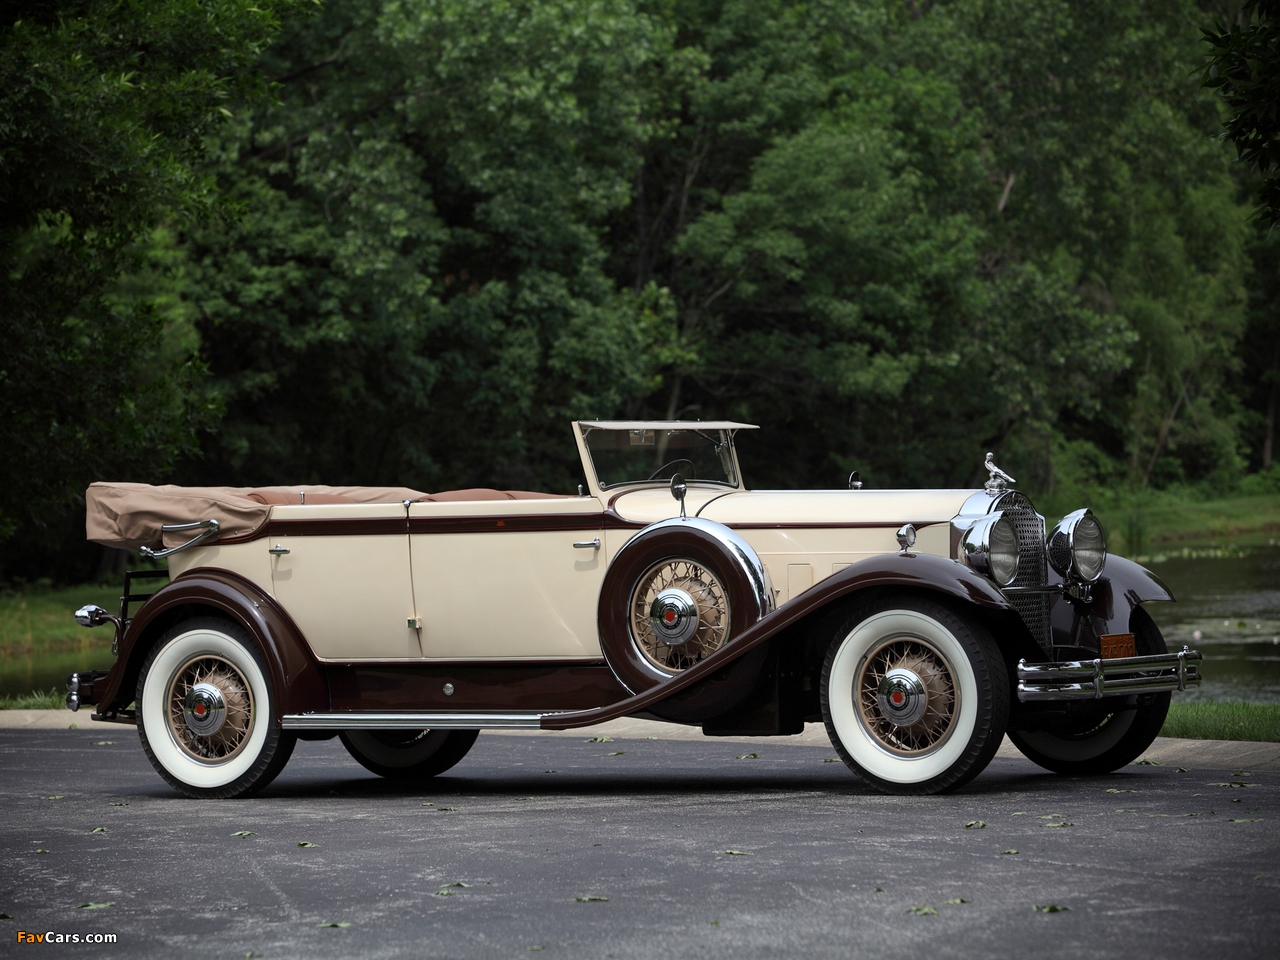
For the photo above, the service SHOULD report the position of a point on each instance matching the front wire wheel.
(205, 711)
(915, 698)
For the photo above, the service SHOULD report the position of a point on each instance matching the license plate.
(1116, 645)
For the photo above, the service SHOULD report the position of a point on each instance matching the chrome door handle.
(587, 544)
(278, 550)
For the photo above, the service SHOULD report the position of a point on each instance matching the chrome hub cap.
(204, 709)
(679, 615)
(906, 696)
(674, 616)
(902, 697)
(210, 709)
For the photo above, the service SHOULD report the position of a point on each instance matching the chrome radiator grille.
(1033, 567)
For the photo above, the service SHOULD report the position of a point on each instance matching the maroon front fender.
(296, 676)
(919, 571)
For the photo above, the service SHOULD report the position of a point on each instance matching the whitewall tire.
(915, 698)
(205, 711)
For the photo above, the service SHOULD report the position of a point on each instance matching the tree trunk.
(1268, 441)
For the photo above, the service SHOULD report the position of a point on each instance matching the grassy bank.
(1210, 720)
(1142, 527)
(36, 620)
(35, 700)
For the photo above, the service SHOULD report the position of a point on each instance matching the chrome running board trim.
(1095, 679)
(411, 721)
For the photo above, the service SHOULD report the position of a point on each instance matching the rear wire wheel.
(206, 711)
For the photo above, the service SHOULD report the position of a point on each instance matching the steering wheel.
(669, 464)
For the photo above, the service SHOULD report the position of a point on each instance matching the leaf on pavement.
(308, 843)
(1049, 908)
(976, 825)
(42, 850)
(923, 910)
(96, 906)
(56, 796)
(1245, 820)
(243, 833)
(748, 756)
(600, 740)
(618, 753)
(98, 830)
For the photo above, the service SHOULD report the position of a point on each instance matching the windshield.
(637, 456)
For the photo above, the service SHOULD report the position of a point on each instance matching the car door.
(342, 573)
(503, 580)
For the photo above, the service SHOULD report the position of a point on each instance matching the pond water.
(1228, 608)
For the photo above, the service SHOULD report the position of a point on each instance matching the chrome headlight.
(1077, 547)
(990, 546)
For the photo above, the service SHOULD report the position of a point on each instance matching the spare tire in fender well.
(745, 582)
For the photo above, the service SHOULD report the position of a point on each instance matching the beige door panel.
(508, 593)
(351, 596)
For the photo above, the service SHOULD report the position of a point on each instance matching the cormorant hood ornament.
(997, 479)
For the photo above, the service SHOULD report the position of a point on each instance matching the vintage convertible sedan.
(918, 625)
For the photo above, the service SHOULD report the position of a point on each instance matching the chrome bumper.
(1095, 679)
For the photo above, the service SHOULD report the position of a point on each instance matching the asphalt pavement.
(631, 848)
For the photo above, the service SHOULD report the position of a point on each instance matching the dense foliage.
(895, 234)
(1245, 69)
(104, 105)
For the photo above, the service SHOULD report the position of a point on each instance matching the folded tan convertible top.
(130, 515)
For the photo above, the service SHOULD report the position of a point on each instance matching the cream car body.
(664, 588)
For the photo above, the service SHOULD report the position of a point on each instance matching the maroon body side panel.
(917, 571)
(295, 675)
(476, 686)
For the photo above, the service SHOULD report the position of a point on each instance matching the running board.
(411, 721)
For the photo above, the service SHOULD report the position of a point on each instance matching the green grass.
(1165, 522)
(34, 620)
(35, 700)
(1211, 720)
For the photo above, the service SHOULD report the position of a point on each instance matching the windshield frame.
(707, 429)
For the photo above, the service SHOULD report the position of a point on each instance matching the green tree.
(104, 110)
(1244, 66)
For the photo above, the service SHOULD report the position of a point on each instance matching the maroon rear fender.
(912, 571)
(296, 676)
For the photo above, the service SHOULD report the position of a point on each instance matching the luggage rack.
(131, 597)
